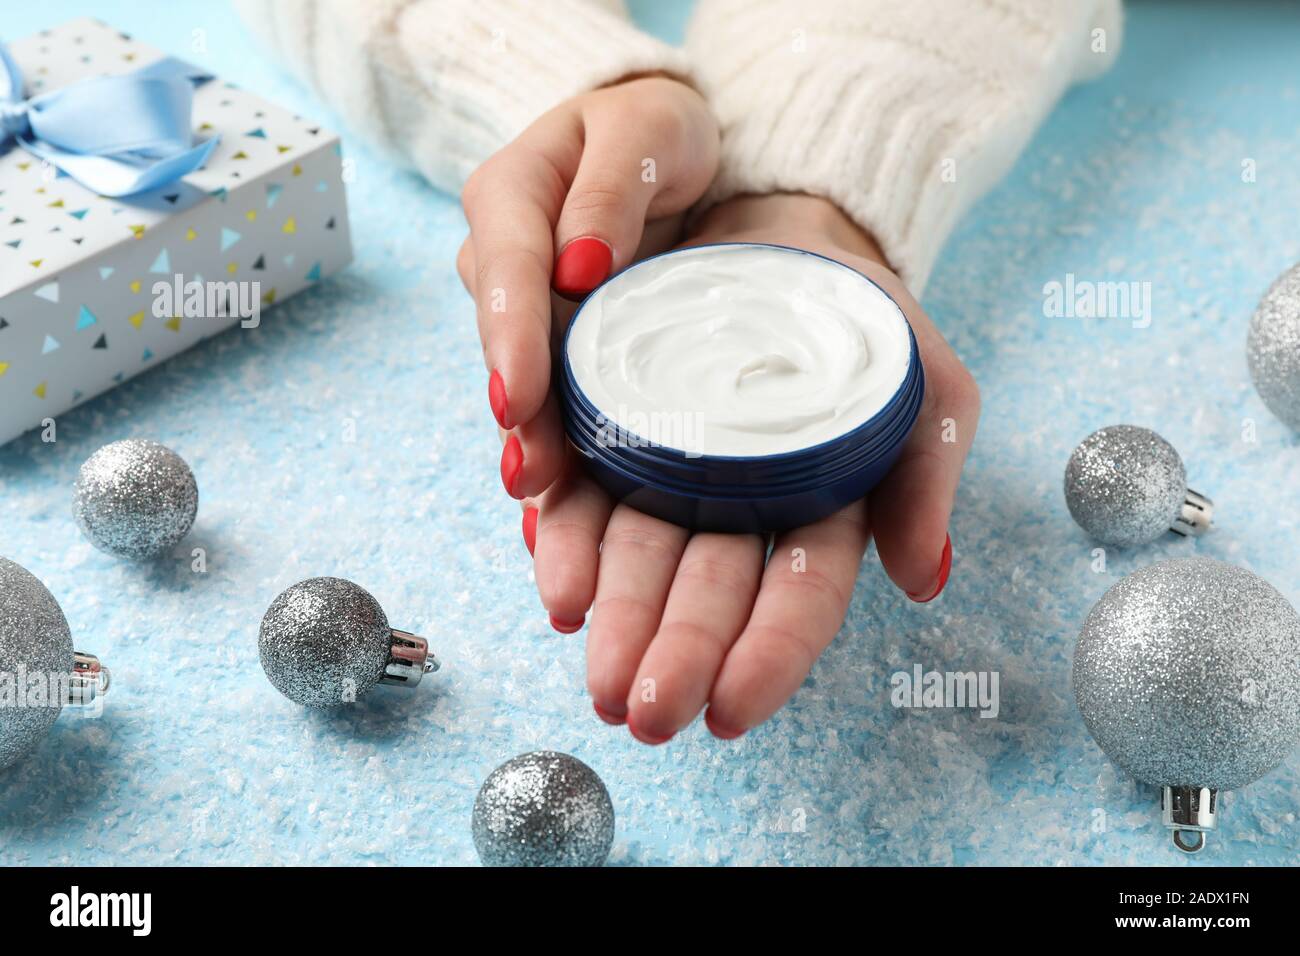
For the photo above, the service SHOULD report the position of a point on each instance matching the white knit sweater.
(903, 113)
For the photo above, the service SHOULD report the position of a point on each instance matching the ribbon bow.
(116, 135)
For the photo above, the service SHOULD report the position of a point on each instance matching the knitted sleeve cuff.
(443, 84)
(902, 114)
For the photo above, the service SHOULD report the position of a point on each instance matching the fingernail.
(945, 565)
(645, 738)
(497, 398)
(609, 718)
(567, 627)
(530, 528)
(512, 462)
(583, 264)
(717, 729)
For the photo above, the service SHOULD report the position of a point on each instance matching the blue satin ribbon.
(117, 135)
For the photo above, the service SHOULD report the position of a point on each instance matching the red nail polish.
(945, 566)
(718, 730)
(644, 737)
(567, 627)
(530, 528)
(512, 462)
(497, 398)
(583, 264)
(607, 717)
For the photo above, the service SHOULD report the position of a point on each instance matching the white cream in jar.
(760, 350)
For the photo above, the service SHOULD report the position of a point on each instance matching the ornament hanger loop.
(1189, 841)
(1189, 813)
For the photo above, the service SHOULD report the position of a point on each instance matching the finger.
(628, 173)
(801, 604)
(529, 525)
(512, 202)
(911, 507)
(534, 454)
(638, 559)
(711, 598)
(465, 264)
(529, 507)
(572, 515)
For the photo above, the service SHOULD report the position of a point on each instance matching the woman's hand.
(682, 621)
(584, 180)
(909, 510)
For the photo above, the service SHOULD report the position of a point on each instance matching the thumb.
(629, 172)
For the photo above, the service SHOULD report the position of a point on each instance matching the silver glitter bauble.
(1187, 674)
(543, 809)
(1273, 348)
(135, 499)
(326, 642)
(39, 670)
(1126, 485)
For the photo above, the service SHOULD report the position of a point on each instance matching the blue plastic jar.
(731, 493)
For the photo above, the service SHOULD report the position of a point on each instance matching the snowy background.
(1137, 177)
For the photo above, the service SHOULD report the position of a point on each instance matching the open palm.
(680, 622)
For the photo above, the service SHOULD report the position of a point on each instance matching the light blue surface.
(199, 760)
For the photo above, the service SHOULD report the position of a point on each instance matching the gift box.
(96, 288)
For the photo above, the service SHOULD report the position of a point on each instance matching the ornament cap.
(90, 680)
(1195, 516)
(1190, 812)
(409, 659)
